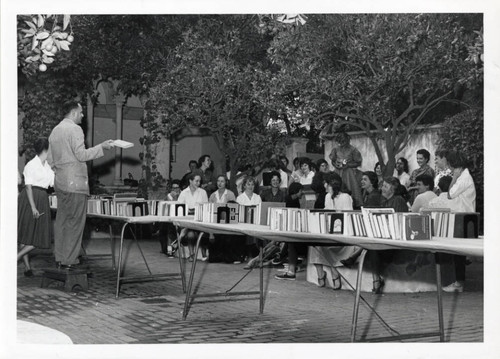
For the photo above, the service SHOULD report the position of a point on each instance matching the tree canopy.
(379, 73)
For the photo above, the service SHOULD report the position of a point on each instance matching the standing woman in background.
(346, 159)
(34, 224)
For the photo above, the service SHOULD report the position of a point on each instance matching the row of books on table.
(369, 222)
(129, 205)
(376, 223)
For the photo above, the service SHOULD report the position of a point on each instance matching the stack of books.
(167, 208)
(120, 204)
(217, 213)
(385, 223)
(288, 219)
(453, 224)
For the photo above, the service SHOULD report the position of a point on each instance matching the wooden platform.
(73, 279)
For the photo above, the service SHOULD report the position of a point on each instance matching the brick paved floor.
(295, 312)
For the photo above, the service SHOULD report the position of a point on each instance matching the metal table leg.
(112, 240)
(182, 263)
(120, 256)
(191, 277)
(261, 259)
(358, 293)
(439, 297)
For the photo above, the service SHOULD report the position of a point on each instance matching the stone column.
(90, 122)
(120, 100)
(89, 136)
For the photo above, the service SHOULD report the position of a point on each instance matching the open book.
(123, 144)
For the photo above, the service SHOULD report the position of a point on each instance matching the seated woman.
(390, 199)
(372, 198)
(318, 184)
(192, 195)
(290, 250)
(307, 173)
(425, 185)
(423, 157)
(249, 198)
(273, 194)
(401, 172)
(331, 256)
(221, 250)
(442, 201)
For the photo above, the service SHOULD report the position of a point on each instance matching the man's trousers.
(69, 226)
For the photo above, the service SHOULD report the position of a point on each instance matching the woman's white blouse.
(343, 202)
(38, 174)
(307, 179)
(244, 200)
(190, 199)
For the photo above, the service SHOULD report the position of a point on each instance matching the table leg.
(191, 277)
(439, 297)
(120, 256)
(112, 241)
(358, 293)
(261, 259)
(140, 249)
(182, 263)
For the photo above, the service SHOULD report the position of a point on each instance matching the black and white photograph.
(219, 180)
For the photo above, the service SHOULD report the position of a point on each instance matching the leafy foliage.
(379, 73)
(40, 37)
(42, 107)
(463, 132)
(215, 80)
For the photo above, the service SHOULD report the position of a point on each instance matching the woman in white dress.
(331, 256)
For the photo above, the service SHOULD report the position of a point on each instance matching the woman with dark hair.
(274, 193)
(222, 195)
(318, 184)
(34, 224)
(208, 180)
(346, 159)
(442, 167)
(462, 190)
(402, 171)
(331, 256)
(307, 171)
(426, 193)
(191, 196)
(423, 158)
(391, 199)
(372, 198)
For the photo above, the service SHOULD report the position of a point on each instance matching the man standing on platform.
(67, 156)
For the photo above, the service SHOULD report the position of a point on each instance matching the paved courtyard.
(294, 312)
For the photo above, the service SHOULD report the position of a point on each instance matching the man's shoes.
(285, 276)
(28, 273)
(455, 287)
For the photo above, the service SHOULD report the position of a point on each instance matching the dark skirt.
(31, 231)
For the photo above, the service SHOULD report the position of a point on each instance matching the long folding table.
(459, 246)
(126, 223)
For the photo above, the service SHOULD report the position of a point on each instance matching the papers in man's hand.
(123, 144)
